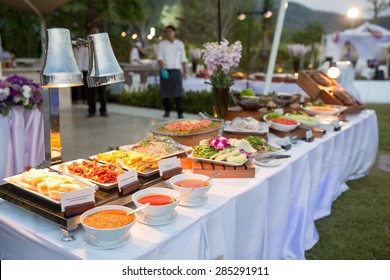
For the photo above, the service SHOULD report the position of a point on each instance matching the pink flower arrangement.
(220, 59)
(219, 143)
(19, 90)
(297, 50)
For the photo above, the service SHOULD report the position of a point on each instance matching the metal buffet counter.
(271, 216)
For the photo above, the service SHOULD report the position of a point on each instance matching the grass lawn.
(359, 226)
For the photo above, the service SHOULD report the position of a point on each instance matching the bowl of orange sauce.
(162, 202)
(109, 223)
(183, 183)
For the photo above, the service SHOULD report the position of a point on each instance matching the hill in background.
(299, 16)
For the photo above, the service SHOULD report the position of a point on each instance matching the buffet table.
(270, 216)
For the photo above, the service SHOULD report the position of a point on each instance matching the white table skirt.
(21, 140)
(268, 217)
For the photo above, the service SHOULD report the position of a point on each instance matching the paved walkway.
(82, 137)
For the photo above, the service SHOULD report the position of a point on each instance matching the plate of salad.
(223, 150)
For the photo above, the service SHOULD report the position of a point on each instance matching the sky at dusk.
(339, 6)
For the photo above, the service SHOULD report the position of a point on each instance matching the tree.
(111, 16)
(378, 6)
(20, 32)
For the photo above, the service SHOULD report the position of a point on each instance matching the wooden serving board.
(247, 170)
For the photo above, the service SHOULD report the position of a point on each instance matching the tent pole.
(275, 45)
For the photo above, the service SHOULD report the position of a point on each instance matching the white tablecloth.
(270, 216)
(21, 140)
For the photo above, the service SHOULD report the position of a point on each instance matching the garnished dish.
(324, 110)
(280, 122)
(304, 119)
(222, 150)
(104, 175)
(144, 165)
(46, 183)
(261, 145)
(245, 125)
(157, 146)
(186, 127)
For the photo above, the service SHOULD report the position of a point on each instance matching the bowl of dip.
(107, 224)
(183, 183)
(162, 202)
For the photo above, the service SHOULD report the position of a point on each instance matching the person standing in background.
(92, 91)
(81, 55)
(171, 58)
(135, 53)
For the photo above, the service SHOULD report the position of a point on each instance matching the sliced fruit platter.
(223, 150)
(186, 127)
(46, 184)
(131, 160)
(103, 174)
(157, 146)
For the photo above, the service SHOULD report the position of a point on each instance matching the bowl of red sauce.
(107, 224)
(183, 183)
(162, 202)
(281, 123)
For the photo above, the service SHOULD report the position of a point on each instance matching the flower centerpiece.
(297, 51)
(220, 60)
(19, 90)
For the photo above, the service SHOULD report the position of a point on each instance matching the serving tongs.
(205, 115)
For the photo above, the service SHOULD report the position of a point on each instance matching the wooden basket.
(316, 91)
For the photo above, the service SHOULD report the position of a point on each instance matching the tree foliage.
(20, 32)
(377, 7)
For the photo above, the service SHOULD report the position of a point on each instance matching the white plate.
(263, 128)
(271, 163)
(141, 173)
(186, 149)
(10, 180)
(91, 242)
(337, 110)
(192, 203)
(142, 218)
(102, 185)
(216, 161)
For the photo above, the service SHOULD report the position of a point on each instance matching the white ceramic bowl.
(156, 212)
(281, 127)
(197, 193)
(106, 235)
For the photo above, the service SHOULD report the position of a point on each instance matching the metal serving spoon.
(138, 209)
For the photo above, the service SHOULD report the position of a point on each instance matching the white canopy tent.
(368, 39)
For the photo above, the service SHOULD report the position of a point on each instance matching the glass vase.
(220, 102)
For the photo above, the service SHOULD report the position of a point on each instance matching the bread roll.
(322, 79)
(344, 96)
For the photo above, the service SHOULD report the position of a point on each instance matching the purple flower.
(19, 90)
(220, 59)
(219, 143)
(297, 50)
